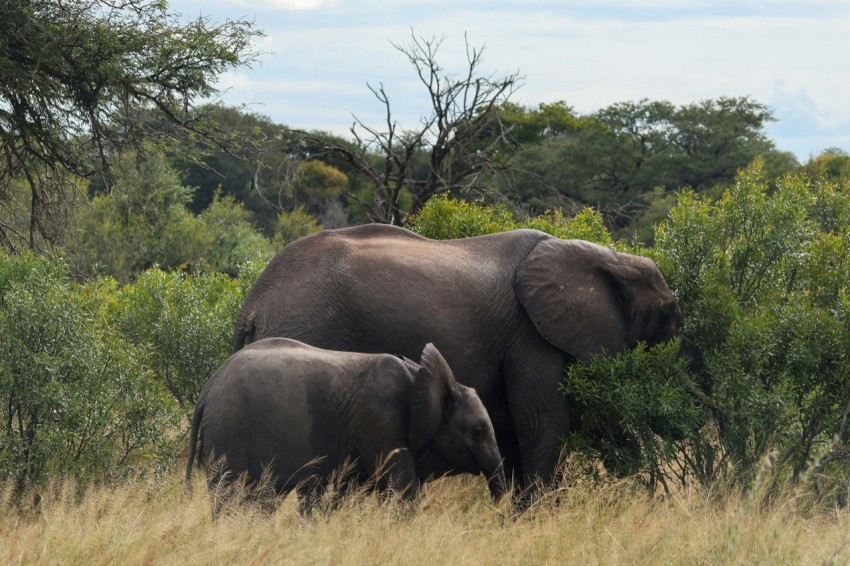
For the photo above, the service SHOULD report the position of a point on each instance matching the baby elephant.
(302, 413)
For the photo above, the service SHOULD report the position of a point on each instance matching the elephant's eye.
(478, 431)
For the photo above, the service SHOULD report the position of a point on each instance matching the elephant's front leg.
(397, 473)
(539, 412)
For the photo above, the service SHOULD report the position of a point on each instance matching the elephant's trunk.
(491, 464)
(497, 483)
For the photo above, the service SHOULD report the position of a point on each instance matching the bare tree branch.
(457, 135)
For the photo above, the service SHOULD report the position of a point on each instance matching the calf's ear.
(432, 386)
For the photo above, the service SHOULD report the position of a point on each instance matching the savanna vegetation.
(134, 219)
(455, 521)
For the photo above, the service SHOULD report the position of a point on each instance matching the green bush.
(764, 281)
(586, 225)
(182, 325)
(145, 221)
(632, 410)
(294, 224)
(762, 277)
(231, 238)
(444, 218)
(77, 401)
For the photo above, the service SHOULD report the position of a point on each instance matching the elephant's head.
(449, 420)
(586, 299)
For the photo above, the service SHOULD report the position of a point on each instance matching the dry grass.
(454, 523)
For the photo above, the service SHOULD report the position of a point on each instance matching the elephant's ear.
(432, 386)
(575, 295)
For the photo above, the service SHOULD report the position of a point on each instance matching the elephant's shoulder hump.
(336, 245)
(276, 343)
(523, 237)
(372, 231)
(530, 233)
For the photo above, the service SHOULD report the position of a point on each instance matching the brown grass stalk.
(454, 522)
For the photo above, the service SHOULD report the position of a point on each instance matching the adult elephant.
(508, 311)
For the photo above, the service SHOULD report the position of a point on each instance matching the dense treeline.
(213, 213)
(626, 160)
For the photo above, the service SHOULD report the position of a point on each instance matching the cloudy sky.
(320, 54)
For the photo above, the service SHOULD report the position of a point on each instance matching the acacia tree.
(80, 81)
(457, 135)
(628, 159)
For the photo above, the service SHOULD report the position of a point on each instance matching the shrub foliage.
(77, 398)
(444, 218)
(181, 324)
(762, 276)
(95, 379)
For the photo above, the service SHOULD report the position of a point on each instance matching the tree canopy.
(80, 81)
(625, 157)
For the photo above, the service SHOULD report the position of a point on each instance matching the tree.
(77, 399)
(145, 221)
(79, 81)
(318, 187)
(627, 158)
(258, 171)
(548, 120)
(463, 109)
(831, 164)
(716, 138)
(142, 221)
(535, 180)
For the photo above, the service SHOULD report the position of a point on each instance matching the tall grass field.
(454, 522)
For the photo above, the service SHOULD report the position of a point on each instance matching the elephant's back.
(371, 262)
(278, 363)
(395, 238)
(394, 241)
(271, 405)
(395, 255)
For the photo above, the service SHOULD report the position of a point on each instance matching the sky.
(320, 55)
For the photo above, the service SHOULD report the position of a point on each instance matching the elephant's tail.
(193, 440)
(243, 331)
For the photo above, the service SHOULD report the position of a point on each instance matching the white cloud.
(245, 83)
(587, 55)
(297, 5)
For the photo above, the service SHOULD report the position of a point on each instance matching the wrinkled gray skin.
(508, 310)
(303, 413)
